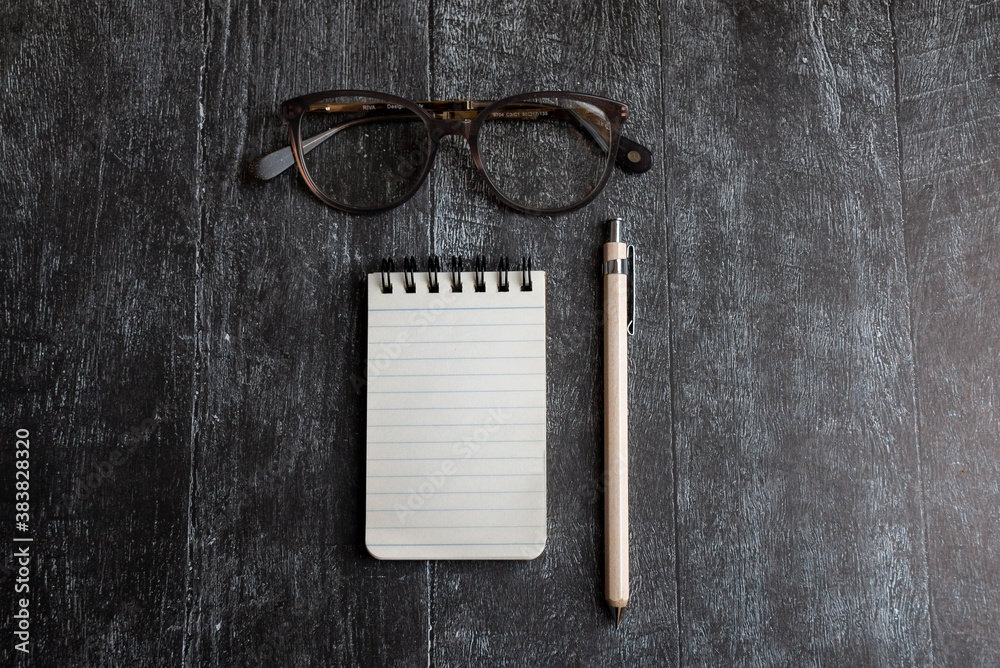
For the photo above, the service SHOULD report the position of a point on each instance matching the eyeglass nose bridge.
(443, 127)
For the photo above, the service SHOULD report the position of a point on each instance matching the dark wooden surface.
(815, 431)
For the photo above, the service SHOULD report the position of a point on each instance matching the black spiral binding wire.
(409, 281)
(456, 274)
(503, 274)
(433, 267)
(480, 275)
(387, 268)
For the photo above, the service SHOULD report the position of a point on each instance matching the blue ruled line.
(467, 526)
(444, 544)
(507, 491)
(512, 440)
(460, 475)
(437, 459)
(463, 308)
(446, 510)
(459, 424)
(473, 324)
(509, 357)
(438, 343)
(540, 389)
(477, 375)
(449, 408)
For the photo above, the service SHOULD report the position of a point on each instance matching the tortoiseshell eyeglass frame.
(452, 117)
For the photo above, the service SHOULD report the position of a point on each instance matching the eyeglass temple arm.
(631, 156)
(266, 167)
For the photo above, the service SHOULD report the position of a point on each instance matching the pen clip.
(630, 327)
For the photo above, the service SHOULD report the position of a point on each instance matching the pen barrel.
(616, 430)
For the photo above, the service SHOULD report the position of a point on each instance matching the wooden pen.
(618, 324)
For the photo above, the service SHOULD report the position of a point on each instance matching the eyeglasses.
(539, 153)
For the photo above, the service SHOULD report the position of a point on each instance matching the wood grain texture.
(800, 536)
(813, 423)
(560, 616)
(949, 85)
(280, 572)
(98, 180)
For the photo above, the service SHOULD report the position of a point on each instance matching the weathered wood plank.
(552, 610)
(98, 181)
(280, 572)
(949, 94)
(146, 272)
(800, 536)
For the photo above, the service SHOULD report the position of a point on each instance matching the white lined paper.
(456, 420)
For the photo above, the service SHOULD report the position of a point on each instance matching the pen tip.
(619, 620)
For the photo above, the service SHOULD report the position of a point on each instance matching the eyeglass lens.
(364, 152)
(545, 153)
(542, 153)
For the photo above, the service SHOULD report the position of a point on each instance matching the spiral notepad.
(456, 412)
